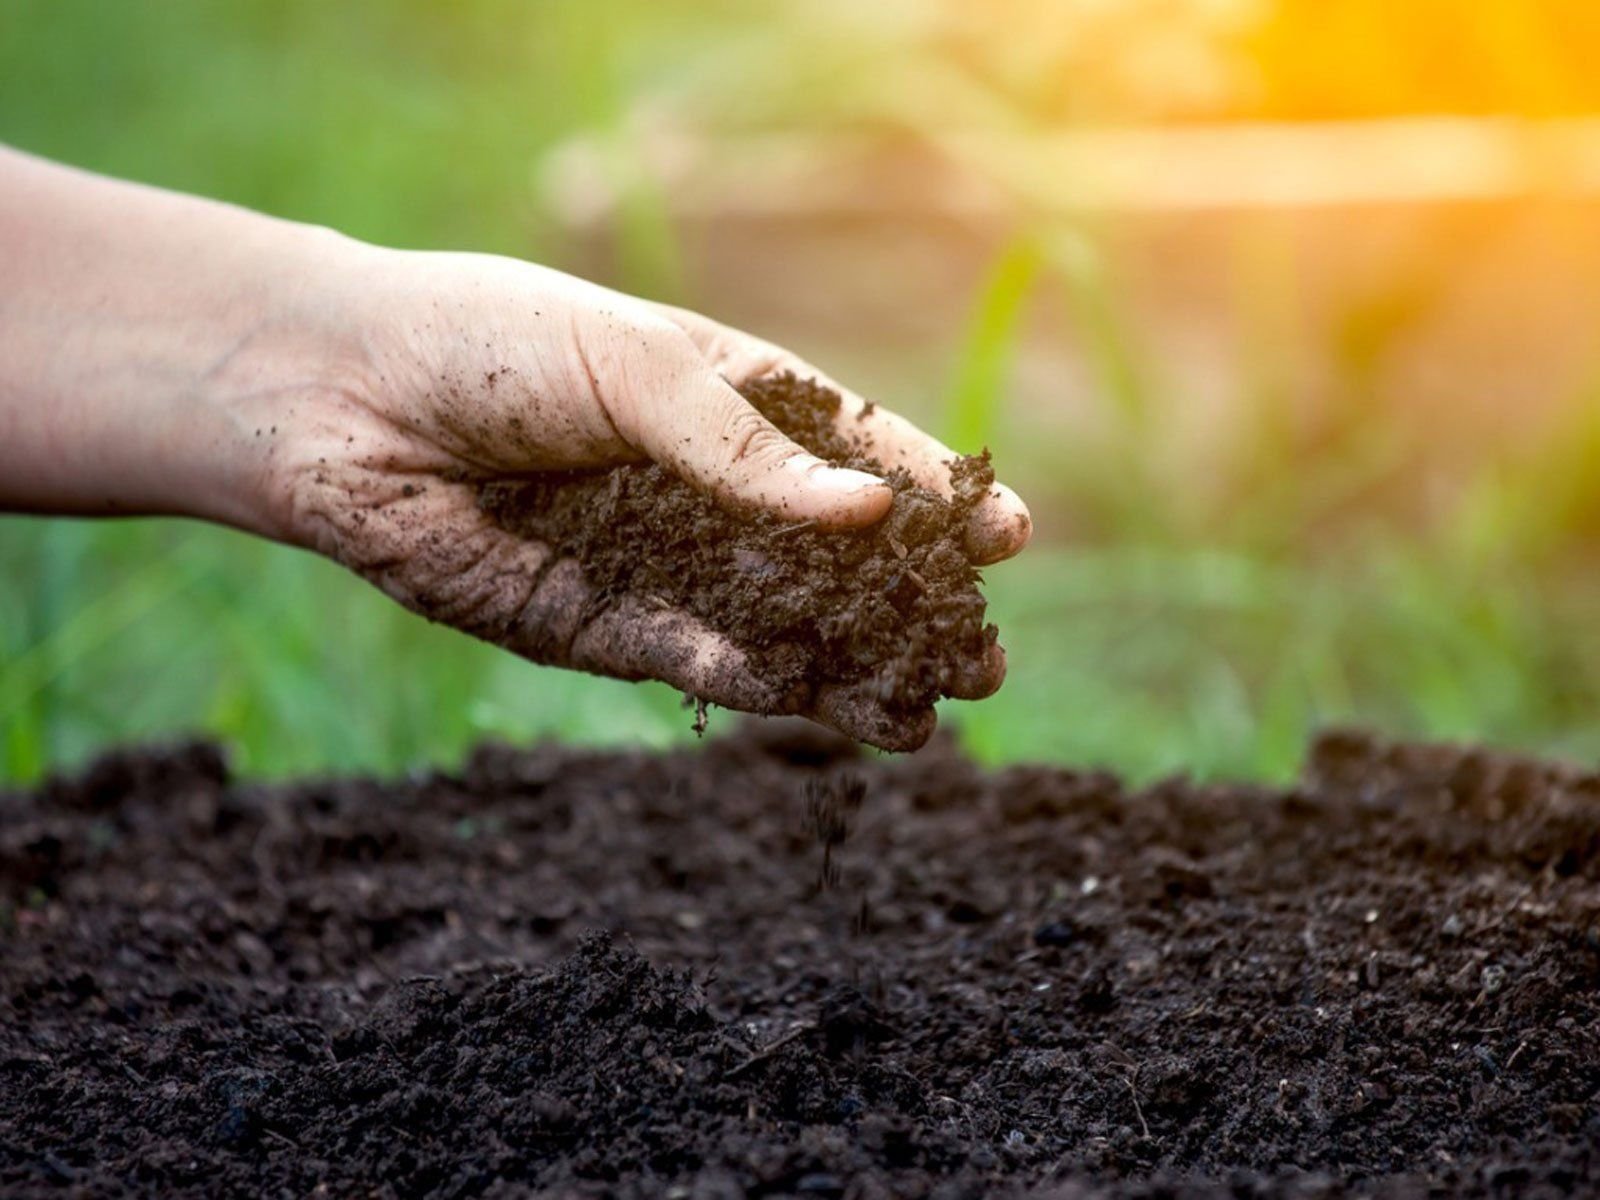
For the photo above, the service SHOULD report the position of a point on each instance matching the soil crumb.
(896, 604)
(575, 973)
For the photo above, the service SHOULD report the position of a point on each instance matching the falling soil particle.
(832, 802)
(895, 606)
(1385, 980)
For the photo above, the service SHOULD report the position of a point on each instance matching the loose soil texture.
(894, 607)
(1385, 979)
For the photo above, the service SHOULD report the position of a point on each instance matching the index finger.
(999, 525)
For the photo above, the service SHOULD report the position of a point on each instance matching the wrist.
(146, 338)
(297, 365)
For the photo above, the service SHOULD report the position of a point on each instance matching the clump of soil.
(1385, 980)
(896, 604)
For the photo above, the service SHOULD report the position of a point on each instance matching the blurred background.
(1282, 314)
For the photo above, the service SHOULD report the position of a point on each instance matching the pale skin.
(162, 354)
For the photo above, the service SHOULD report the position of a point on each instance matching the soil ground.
(1386, 979)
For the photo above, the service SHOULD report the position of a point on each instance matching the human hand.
(161, 353)
(473, 368)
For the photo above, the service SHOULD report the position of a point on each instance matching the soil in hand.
(894, 607)
(1385, 980)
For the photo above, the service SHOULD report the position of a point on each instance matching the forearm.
(147, 343)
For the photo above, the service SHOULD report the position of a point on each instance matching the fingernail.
(999, 527)
(836, 497)
(842, 479)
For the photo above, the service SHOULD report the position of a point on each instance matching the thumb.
(712, 437)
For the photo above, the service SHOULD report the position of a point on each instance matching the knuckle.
(753, 442)
(559, 606)
(755, 359)
(661, 340)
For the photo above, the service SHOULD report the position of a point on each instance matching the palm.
(389, 483)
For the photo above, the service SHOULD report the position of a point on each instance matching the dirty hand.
(475, 368)
(166, 354)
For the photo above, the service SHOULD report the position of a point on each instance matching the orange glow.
(1361, 58)
(1139, 60)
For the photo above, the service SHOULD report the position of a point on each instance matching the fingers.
(565, 624)
(680, 412)
(1000, 524)
(999, 527)
(979, 678)
(854, 711)
(633, 639)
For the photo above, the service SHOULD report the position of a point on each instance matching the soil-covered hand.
(474, 368)
(164, 354)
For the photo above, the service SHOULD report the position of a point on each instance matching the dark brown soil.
(896, 604)
(1386, 979)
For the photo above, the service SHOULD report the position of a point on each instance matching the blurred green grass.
(1207, 636)
(1149, 658)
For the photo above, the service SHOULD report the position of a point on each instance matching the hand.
(164, 354)
(473, 368)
